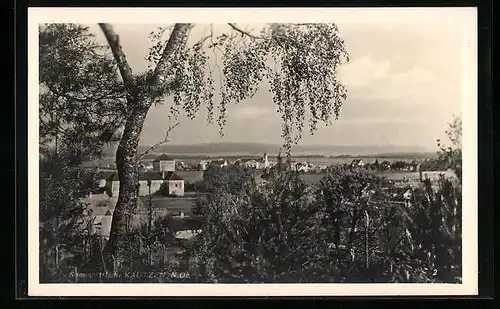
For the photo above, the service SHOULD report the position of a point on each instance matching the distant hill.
(232, 148)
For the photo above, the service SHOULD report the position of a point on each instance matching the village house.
(203, 164)
(301, 167)
(164, 163)
(168, 183)
(247, 162)
(385, 165)
(407, 196)
(99, 214)
(101, 223)
(174, 184)
(261, 163)
(357, 163)
(219, 162)
(156, 178)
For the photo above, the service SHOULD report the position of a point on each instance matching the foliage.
(398, 165)
(451, 155)
(434, 224)
(259, 234)
(300, 62)
(355, 210)
(231, 178)
(81, 98)
(64, 234)
(348, 229)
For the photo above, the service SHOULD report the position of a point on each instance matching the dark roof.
(172, 176)
(151, 176)
(163, 157)
(243, 160)
(220, 161)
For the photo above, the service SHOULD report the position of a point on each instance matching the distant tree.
(399, 165)
(451, 155)
(232, 177)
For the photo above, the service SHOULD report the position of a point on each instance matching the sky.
(404, 84)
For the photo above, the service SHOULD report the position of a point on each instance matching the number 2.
(435, 272)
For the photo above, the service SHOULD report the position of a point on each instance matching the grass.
(175, 204)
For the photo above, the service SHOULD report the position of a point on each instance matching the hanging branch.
(243, 32)
(164, 141)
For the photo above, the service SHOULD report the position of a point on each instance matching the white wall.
(115, 188)
(167, 166)
(143, 187)
(176, 187)
(253, 164)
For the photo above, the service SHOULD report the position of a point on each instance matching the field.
(395, 176)
(175, 204)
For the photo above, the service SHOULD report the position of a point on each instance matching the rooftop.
(163, 157)
(218, 161)
(172, 176)
(151, 175)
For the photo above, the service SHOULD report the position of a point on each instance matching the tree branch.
(243, 32)
(202, 41)
(116, 48)
(165, 140)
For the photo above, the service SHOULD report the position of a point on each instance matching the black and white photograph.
(227, 150)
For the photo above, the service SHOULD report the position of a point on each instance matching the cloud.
(250, 111)
(414, 76)
(383, 121)
(363, 72)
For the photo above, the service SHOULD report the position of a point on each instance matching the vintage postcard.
(252, 152)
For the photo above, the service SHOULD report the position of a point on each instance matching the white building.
(357, 163)
(168, 183)
(250, 163)
(204, 164)
(219, 162)
(174, 185)
(100, 220)
(164, 163)
(261, 163)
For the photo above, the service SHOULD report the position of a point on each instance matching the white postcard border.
(462, 17)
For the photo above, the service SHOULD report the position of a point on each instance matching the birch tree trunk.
(139, 100)
(126, 163)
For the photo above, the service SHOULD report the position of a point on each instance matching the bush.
(350, 229)
(65, 241)
(266, 234)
